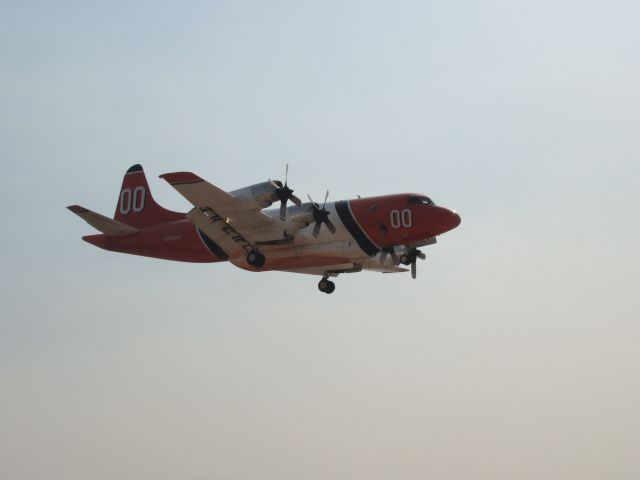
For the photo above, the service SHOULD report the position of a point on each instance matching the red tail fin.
(136, 206)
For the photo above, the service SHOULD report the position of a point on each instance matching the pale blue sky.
(514, 354)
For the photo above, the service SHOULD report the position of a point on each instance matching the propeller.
(411, 257)
(284, 193)
(321, 215)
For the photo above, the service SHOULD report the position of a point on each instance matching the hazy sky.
(515, 354)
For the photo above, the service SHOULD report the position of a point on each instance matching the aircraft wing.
(373, 264)
(346, 267)
(385, 269)
(242, 216)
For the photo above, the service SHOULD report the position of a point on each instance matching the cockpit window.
(420, 201)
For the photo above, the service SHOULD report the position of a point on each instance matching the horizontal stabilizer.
(108, 226)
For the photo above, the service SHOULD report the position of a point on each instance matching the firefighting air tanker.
(381, 233)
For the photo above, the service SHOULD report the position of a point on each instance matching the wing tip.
(77, 209)
(180, 178)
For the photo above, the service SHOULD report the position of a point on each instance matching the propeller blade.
(295, 200)
(325, 199)
(421, 255)
(330, 225)
(283, 209)
(311, 199)
(286, 174)
(316, 228)
(413, 270)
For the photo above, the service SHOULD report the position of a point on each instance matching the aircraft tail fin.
(108, 226)
(136, 206)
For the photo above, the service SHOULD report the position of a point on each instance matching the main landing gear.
(255, 259)
(326, 286)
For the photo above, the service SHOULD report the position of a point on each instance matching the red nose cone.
(443, 220)
(455, 219)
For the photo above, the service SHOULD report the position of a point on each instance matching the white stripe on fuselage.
(340, 244)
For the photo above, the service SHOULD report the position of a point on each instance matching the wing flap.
(233, 244)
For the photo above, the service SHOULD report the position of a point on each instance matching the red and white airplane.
(375, 233)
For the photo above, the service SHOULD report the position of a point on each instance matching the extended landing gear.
(326, 286)
(255, 259)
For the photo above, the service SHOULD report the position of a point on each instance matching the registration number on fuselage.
(172, 238)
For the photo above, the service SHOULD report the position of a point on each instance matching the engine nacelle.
(264, 194)
(299, 218)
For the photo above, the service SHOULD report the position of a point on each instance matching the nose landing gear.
(326, 286)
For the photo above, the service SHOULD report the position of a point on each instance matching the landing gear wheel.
(255, 259)
(326, 286)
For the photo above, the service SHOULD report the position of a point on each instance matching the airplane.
(381, 233)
